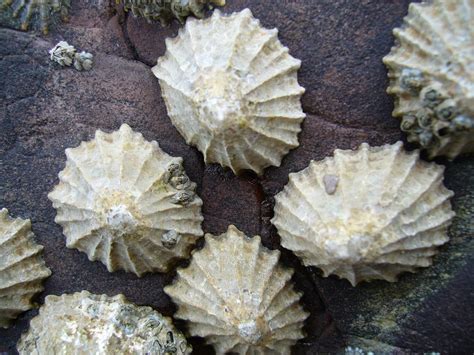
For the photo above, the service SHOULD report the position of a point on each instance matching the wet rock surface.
(45, 109)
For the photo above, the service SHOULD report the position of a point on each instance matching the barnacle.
(84, 323)
(36, 14)
(432, 77)
(231, 90)
(236, 295)
(83, 61)
(167, 10)
(367, 214)
(22, 269)
(62, 53)
(125, 202)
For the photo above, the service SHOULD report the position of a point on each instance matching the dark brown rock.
(45, 109)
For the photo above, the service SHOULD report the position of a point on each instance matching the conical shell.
(84, 323)
(166, 11)
(232, 91)
(22, 269)
(125, 202)
(366, 214)
(431, 71)
(237, 296)
(37, 14)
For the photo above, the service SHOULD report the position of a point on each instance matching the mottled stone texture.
(45, 109)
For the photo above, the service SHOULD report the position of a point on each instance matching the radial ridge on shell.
(238, 297)
(125, 202)
(431, 74)
(365, 214)
(22, 268)
(231, 90)
(83, 323)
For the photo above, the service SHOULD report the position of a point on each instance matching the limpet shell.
(120, 196)
(84, 323)
(236, 295)
(231, 90)
(367, 214)
(431, 75)
(36, 14)
(166, 11)
(22, 269)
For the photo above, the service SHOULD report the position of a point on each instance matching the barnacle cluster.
(432, 77)
(167, 10)
(176, 177)
(434, 114)
(84, 323)
(36, 14)
(66, 55)
(22, 268)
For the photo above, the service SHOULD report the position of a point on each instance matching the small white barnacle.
(83, 61)
(236, 295)
(115, 202)
(85, 323)
(432, 76)
(63, 53)
(170, 239)
(231, 89)
(22, 268)
(386, 214)
(183, 197)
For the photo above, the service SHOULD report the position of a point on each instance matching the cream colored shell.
(237, 296)
(431, 71)
(125, 202)
(232, 91)
(84, 323)
(166, 11)
(36, 14)
(22, 269)
(366, 214)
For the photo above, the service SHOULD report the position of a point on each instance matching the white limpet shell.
(22, 269)
(84, 323)
(367, 214)
(166, 11)
(231, 90)
(37, 14)
(125, 202)
(431, 71)
(238, 297)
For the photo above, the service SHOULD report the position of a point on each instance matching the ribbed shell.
(237, 296)
(431, 71)
(22, 269)
(232, 91)
(36, 14)
(125, 202)
(84, 323)
(166, 11)
(366, 214)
